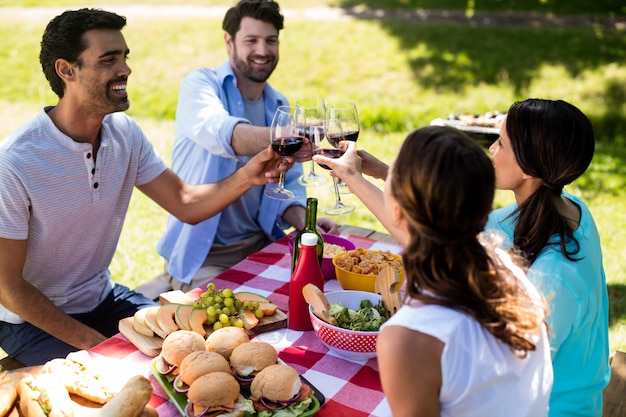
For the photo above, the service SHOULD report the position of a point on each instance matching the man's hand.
(265, 167)
(305, 153)
(325, 225)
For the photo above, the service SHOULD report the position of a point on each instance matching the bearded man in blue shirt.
(222, 120)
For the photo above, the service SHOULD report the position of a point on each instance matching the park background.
(404, 62)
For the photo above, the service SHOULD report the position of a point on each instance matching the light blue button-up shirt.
(209, 107)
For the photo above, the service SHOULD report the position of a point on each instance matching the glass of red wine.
(286, 139)
(347, 113)
(334, 129)
(315, 113)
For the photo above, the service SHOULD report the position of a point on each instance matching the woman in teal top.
(543, 146)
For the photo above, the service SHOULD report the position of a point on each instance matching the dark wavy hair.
(554, 141)
(445, 183)
(63, 39)
(263, 10)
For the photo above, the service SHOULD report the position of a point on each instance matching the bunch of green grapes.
(223, 308)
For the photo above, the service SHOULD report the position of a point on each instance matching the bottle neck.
(310, 221)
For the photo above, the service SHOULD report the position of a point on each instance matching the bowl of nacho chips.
(357, 269)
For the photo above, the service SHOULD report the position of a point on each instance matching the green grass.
(401, 74)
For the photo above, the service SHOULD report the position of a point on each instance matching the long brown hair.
(554, 141)
(445, 184)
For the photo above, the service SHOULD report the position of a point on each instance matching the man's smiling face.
(254, 50)
(103, 72)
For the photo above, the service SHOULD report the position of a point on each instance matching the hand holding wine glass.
(286, 140)
(334, 128)
(346, 112)
(315, 113)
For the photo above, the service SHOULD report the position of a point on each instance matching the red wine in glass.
(329, 153)
(287, 146)
(335, 138)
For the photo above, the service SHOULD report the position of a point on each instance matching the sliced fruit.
(249, 319)
(151, 321)
(194, 294)
(197, 319)
(139, 322)
(250, 296)
(268, 309)
(165, 318)
(181, 317)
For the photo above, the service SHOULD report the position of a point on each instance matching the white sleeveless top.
(481, 376)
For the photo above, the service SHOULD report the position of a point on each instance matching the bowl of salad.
(359, 315)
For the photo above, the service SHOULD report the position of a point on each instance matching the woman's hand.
(345, 167)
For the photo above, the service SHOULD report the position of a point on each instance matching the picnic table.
(350, 388)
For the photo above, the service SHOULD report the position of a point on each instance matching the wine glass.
(346, 112)
(286, 140)
(315, 113)
(334, 129)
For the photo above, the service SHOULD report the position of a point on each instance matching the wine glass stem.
(337, 193)
(281, 178)
(312, 172)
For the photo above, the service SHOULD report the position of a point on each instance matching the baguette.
(131, 401)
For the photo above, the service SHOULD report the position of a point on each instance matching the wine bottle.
(308, 271)
(310, 226)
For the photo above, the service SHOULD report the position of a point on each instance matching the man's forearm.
(249, 140)
(33, 306)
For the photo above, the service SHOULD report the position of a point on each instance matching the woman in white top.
(471, 338)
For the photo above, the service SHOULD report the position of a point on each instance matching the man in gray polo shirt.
(67, 178)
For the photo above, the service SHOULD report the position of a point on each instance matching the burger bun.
(213, 390)
(251, 357)
(276, 383)
(177, 345)
(201, 362)
(226, 339)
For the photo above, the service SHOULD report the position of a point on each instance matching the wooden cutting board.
(151, 346)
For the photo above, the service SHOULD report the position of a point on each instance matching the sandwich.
(226, 339)
(8, 393)
(216, 394)
(176, 346)
(248, 359)
(196, 364)
(44, 396)
(79, 376)
(278, 391)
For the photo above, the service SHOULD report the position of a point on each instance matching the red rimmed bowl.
(328, 269)
(348, 344)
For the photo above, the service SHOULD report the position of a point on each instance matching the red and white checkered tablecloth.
(351, 388)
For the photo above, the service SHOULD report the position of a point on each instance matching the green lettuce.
(294, 410)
